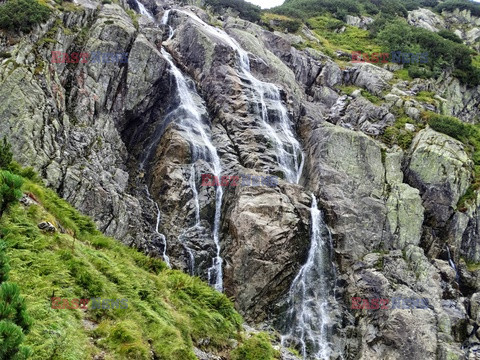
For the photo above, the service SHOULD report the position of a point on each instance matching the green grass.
(134, 16)
(168, 311)
(476, 61)
(352, 39)
(471, 266)
(397, 135)
(402, 74)
(257, 347)
(426, 97)
(348, 89)
(372, 98)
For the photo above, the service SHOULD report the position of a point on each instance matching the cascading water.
(144, 11)
(165, 18)
(188, 120)
(288, 150)
(307, 321)
(192, 126)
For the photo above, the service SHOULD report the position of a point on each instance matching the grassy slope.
(168, 311)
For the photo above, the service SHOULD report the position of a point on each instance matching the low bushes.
(22, 15)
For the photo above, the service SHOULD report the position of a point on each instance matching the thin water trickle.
(193, 186)
(452, 264)
(162, 236)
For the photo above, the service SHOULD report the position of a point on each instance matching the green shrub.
(4, 267)
(449, 35)
(6, 154)
(419, 72)
(22, 15)
(443, 54)
(257, 347)
(305, 9)
(451, 5)
(14, 320)
(9, 189)
(452, 127)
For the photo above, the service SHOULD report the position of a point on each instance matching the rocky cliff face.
(114, 139)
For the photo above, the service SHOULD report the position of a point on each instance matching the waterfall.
(165, 18)
(288, 150)
(306, 324)
(191, 125)
(144, 11)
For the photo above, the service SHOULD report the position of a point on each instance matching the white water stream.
(288, 150)
(164, 239)
(307, 318)
(191, 124)
(144, 11)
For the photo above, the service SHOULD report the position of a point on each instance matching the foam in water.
(288, 150)
(307, 318)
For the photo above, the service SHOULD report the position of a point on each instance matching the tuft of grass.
(134, 16)
(397, 135)
(257, 347)
(402, 74)
(348, 89)
(426, 97)
(352, 38)
(372, 98)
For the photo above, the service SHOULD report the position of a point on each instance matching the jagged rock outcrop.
(441, 169)
(266, 240)
(426, 19)
(359, 21)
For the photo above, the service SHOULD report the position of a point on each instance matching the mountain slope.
(168, 311)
